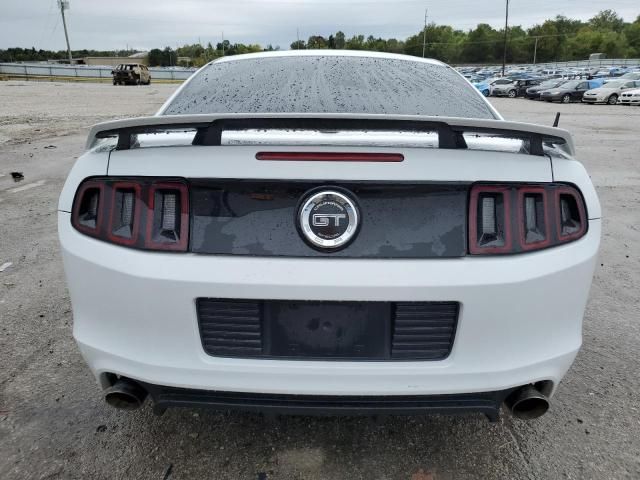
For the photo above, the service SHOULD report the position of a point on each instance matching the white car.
(329, 232)
(630, 97)
(499, 84)
(609, 92)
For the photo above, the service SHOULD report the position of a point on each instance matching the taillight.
(515, 218)
(141, 213)
(168, 219)
(124, 214)
(87, 212)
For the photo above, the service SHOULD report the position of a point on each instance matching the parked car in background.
(630, 97)
(516, 88)
(610, 72)
(626, 76)
(533, 93)
(609, 92)
(571, 91)
(498, 83)
(522, 85)
(131, 74)
(482, 86)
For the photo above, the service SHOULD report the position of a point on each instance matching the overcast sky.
(145, 24)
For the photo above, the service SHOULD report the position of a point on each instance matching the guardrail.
(71, 72)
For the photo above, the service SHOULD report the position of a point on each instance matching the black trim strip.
(487, 403)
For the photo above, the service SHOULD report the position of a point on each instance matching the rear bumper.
(520, 319)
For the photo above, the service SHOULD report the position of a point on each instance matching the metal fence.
(607, 62)
(35, 71)
(73, 71)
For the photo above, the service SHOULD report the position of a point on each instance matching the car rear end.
(328, 262)
(122, 75)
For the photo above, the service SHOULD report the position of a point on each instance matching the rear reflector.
(492, 225)
(329, 157)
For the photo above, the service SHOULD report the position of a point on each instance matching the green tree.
(632, 34)
(607, 20)
(317, 41)
(340, 40)
(355, 43)
(480, 45)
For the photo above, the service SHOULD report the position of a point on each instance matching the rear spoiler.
(450, 130)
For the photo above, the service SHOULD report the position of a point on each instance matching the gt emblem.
(328, 219)
(323, 219)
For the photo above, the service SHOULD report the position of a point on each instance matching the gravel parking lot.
(54, 424)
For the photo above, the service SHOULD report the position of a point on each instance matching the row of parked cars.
(624, 90)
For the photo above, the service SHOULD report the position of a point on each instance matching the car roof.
(328, 53)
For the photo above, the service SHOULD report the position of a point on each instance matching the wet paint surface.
(329, 84)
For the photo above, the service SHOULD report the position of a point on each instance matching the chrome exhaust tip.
(527, 403)
(125, 394)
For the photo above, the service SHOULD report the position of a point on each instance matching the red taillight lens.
(168, 219)
(140, 213)
(533, 218)
(87, 212)
(124, 214)
(571, 212)
(489, 220)
(537, 216)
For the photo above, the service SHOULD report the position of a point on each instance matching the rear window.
(329, 84)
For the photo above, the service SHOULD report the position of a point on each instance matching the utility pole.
(424, 36)
(64, 5)
(535, 50)
(506, 30)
